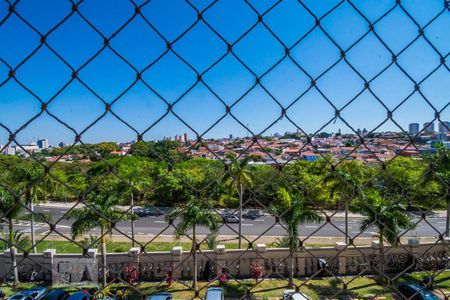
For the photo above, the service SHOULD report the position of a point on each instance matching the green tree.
(10, 210)
(30, 179)
(388, 217)
(438, 172)
(196, 212)
(402, 175)
(101, 212)
(292, 210)
(136, 175)
(105, 149)
(238, 178)
(346, 181)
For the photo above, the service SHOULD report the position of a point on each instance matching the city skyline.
(413, 129)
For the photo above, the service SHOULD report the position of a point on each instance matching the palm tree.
(10, 210)
(344, 182)
(196, 212)
(293, 212)
(388, 217)
(439, 172)
(238, 178)
(32, 179)
(100, 212)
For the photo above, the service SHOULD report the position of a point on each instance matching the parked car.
(419, 292)
(230, 218)
(293, 295)
(252, 214)
(79, 296)
(30, 294)
(214, 293)
(58, 294)
(160, 296)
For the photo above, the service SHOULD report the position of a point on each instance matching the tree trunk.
(103, 253)
(346, 223)
(381, 259)
(240, 192)
(33, 238)
(447, 220)
(194, 256)
(132, 221)
(13, 251)
(291, 268)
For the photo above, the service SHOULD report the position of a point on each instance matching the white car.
(293, 295)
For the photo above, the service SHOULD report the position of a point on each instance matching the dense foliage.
(415, 182)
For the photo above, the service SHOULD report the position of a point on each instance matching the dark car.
(230, 218)
(214, 293)
(151, 211)
(58, 294)
(79, 296)
(31, 294)
(416, 292)
(160, 296)
(252, 214)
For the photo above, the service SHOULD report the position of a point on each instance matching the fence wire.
(108, 196)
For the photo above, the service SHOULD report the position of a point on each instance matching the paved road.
(262, 226)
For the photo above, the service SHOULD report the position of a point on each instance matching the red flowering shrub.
(257, 270)
(168, 276)
(131, 273)
(223, 276)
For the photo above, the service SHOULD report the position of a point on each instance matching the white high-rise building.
(9, 150)
(42, 143)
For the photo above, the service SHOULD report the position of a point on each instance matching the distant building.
(9, 150)
(185, 138)
(428, 127)
(444, 127)
(42, 143)
(62, 145)
(26, 150)
(414, 128)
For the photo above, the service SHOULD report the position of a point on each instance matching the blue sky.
(108, 76)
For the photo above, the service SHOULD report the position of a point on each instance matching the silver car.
(293, 295)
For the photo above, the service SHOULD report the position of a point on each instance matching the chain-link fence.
(266, 148)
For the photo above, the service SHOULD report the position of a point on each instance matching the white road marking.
(246, 224)
(371, 232)
(161, 222)
(310, 226)
(258, 220)
(63, 226)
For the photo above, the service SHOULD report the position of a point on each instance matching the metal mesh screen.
(290, 164)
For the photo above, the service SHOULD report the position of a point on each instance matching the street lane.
(265, 225)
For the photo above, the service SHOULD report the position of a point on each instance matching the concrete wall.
(155, 266)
